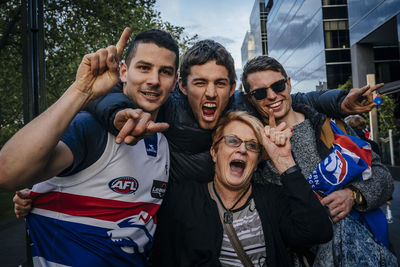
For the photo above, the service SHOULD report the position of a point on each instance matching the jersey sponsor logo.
(158, 189)
(124, 185)
(151, 145)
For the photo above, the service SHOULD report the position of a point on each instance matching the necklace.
(228, 215)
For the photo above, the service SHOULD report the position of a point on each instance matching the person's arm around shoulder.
(104, 109)
(35, 153)
(338, 103)
(324, 101)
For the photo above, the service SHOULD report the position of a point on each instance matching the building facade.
(255, 41)
(324, 43)
(374, 38)
(311, 40)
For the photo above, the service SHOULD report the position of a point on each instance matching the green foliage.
(11, 109)
(386, 115)
(347, 85)
(72, 29)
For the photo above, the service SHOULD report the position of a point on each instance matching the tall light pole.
(33, 70)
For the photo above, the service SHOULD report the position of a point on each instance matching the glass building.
(255, 41)
(248, 50)
(324, 43)
(310, 38)
(374, 38)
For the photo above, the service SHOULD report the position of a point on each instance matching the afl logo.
(124, 185)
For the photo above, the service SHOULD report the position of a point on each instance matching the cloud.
(225, 21)
(223, 40)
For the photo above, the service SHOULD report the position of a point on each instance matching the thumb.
(157, 127)
(24, 193)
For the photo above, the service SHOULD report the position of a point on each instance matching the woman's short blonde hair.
(254, 123)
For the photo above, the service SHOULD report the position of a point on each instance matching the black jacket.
(188, 143)
(189, 231)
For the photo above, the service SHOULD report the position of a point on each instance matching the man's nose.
(210, 91)
(271, 93)
(153, 78)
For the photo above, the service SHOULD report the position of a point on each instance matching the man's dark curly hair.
(203, 52)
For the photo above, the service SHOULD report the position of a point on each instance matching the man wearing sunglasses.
(268, 89)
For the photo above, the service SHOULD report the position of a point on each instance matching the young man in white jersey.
(94, 201)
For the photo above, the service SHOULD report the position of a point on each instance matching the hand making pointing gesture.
(98, 72)
(276, 141)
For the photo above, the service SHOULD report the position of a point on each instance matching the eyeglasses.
(261, 93)
(234, 141)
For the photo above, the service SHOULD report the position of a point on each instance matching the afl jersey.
(103, 215)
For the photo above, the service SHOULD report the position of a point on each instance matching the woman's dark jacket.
(189, 231)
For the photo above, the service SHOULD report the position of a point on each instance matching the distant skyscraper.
(255, 41)
(248, 50)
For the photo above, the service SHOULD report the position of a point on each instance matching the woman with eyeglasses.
(232, 221)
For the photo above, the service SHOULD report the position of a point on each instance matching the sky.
(225, 21)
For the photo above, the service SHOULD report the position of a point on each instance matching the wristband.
(291, 170)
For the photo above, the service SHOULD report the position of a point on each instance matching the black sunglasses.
(261, 93)
(234, 141)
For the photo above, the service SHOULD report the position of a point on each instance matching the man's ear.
(173, 87)
(247, 96)
(213, 154)
(233, 87)
(123, 69)
(181, 87)
(250, 99)
(289, 85)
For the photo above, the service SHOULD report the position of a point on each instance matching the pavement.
(394, 227)
(13, 243)
(13, 240)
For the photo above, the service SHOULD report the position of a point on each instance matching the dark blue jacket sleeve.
(104, 109)
(324, 101)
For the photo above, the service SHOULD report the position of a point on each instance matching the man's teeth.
(150, 94)
(210, 105)
(275, 104)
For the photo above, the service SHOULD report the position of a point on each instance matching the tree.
(72, 29)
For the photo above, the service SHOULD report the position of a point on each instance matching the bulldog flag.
(349, 160)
